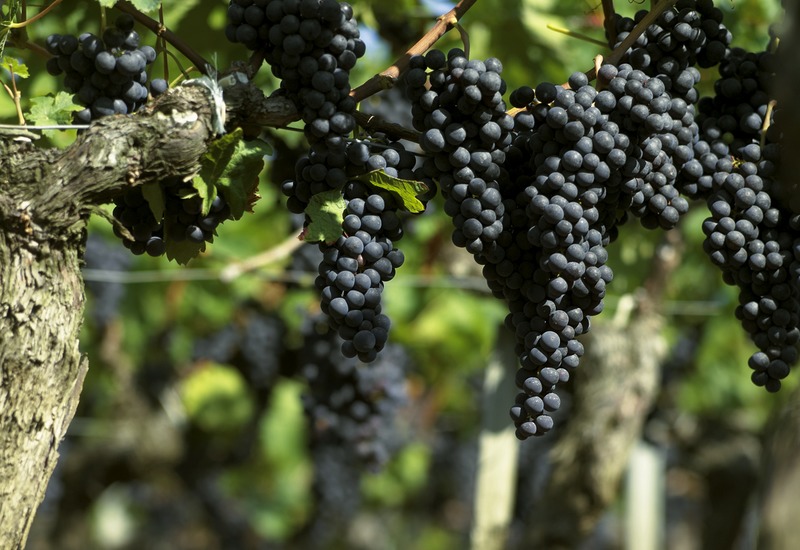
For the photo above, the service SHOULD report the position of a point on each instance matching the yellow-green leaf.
(206, 191)
(405, 191)
(146, 5)
(326, 211)
(13, 65)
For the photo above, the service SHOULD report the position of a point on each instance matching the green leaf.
(154, 195)
(405, 191)
(180, 251)
(326, 211)
(56, 109)
(205, 190)
(141, 5)
(218, 156)
(13, 65)
(233, 165)
(146, 5)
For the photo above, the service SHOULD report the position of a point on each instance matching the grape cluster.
(736, 113)
(538, 193)
(311, 46)
(458, 105)
(354, 268)
(107, 74)
(661, 131)
(336, 490)
(573, 177)
(754, 242)
(751, 234)
(537, 198)
(687, 34)
(183, 219)
(349, 405)
(296, 36)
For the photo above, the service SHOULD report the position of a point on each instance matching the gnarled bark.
(46, 197)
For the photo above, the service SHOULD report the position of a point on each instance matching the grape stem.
(26, 22)
(387, 77)
(270, 256)
(162, 32)
(371, 123)
(15, 95)
(20, 40)
(767, 120)
(615, 56)
(573, 34)
(163, 43)
(464, 38)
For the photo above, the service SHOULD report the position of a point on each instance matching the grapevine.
(533, 187)
(537, 180)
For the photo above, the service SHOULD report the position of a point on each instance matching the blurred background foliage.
(171, 451)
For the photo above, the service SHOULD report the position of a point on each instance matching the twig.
(15, 96)
(580, 36)
(167, 53)
(615, 56)
(254, 63)
(103, 20)
(767, 121)
(598, 62)
(462, 32)
(163, 44)
(387, 78)
(166, 34)
(36, 17)
(267, 257)
(375, 124)
(18, 40)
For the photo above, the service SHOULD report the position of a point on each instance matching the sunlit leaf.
(49, 110)
(326, 211)
(13, 65)
(405, 191)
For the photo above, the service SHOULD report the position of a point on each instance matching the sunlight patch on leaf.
(13, 65)
(404, 191)
(326, 211)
